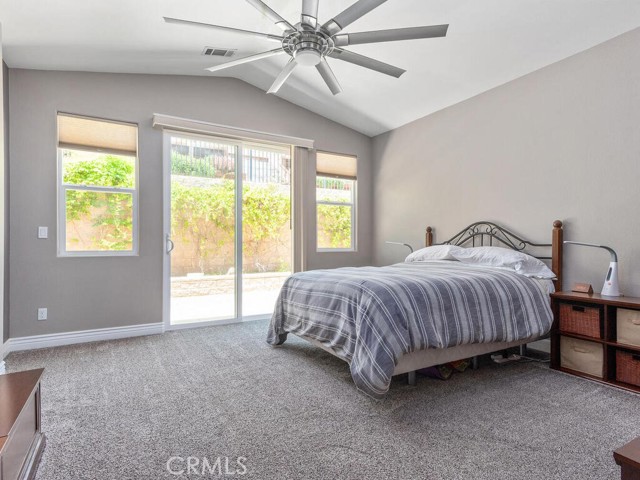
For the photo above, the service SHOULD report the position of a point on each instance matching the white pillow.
(436, 252)
(505, 258)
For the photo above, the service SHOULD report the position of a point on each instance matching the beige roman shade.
(82, 133)
(336, 166)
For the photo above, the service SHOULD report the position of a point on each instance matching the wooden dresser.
(628, 457)
(21, 441)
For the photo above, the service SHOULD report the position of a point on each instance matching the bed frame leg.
(474, 363)
(412, 378)
(523, 350)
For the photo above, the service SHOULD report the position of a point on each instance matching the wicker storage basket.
(628, 367)
(582, 356)
(579, 319)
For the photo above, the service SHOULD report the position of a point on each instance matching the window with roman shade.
(97, 186)
(336, 180)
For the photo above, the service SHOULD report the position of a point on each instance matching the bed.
(393, 320)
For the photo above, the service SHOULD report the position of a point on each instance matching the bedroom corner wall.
(560, 143)
(89, 293)
(5, 149)
(4, 330)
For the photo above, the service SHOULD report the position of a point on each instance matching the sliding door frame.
(166, 252)
(238, 240)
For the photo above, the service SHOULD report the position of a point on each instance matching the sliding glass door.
(266, 226)
(227, 227)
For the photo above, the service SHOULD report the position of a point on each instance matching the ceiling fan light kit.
(308, 44)
(307, 58)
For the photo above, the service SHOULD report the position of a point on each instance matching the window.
(97, 187)
(336, 202)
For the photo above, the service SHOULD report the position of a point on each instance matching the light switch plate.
(43, 232)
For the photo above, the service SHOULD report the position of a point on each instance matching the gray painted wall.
(84, 293)
(5, 95)
(560, 143)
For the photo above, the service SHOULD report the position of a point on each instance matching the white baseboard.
(83, 336)
(2, 370)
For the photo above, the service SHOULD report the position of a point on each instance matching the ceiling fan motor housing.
(308, 47)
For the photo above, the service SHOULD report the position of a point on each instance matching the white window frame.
(62, 213)
(353, 205)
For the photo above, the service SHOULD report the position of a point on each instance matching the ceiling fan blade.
(366, 62)
(284, 75)
(351, 14)
(264, 9)
(310, 13)
(179, 21)
(393, 35)
(328, 77)
(250, 58)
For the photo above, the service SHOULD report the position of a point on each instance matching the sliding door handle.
(169, 244)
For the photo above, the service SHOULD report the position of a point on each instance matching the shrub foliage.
(204, 215)
(109, 213)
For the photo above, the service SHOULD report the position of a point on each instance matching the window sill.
(336, 250)
(97, 254)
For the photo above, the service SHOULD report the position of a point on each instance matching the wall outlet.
(43, 232)
(42, 314)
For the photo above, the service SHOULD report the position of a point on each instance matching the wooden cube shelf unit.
(585, 342)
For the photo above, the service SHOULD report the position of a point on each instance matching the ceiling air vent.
(218, 52)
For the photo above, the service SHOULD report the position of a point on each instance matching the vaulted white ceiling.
(489, 43)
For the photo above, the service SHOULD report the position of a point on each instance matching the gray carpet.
(121, 409)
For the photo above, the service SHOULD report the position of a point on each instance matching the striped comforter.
(371, 316)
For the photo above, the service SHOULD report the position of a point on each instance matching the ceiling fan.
(308, 43)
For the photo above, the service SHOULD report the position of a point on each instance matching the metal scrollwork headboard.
(490, 234)
(481, 234)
